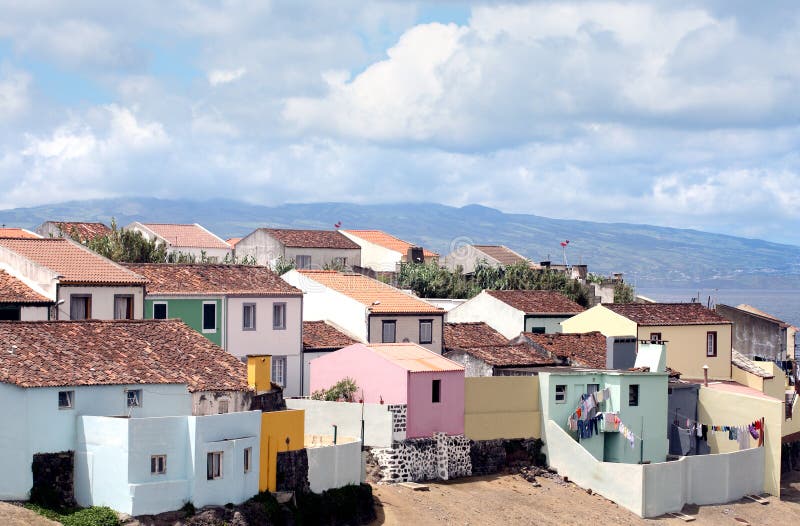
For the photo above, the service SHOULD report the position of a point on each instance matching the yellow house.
(694, 335)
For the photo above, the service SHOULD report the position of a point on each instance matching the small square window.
(158, 464)
(159, 311)
(66, 399)
(561, 394)
(134, 397)
(248, 457)
(222, 407)
(655, 337)
(633, 395)
(214, 465)
(436, 394)
(302, 262)
(249, 317)
(278, 316)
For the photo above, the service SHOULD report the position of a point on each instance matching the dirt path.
(11, 515)
(508, 500)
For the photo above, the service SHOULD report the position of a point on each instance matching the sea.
(782, 304)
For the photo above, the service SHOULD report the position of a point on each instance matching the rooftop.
(19, 233)
(760, 313)
(84, 231)
(413, 357)
(189, 236)
(746, 364)
(502, 254)
(520, 355)
(201, 278)
(75, 263)
(471, 334)
(232, 241)
(537, 301)
(582, 350)
(380, 238)
(667, 313)
(322, 336)
(94, 352)
(12, 290)
(375, 295)
(312, 238)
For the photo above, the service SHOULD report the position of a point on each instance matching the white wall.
(39, 278)
(503, 318)
(266, 250)
(101, 463)
(325, 256)
(374, 256)
(34, 313)
(102, 300)
(334, 466)
(320, 417)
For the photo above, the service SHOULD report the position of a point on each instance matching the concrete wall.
(686, 349)
(39, 278)
(267, 250)
(320, 257)
(333, 466)
(502, 407)
(34, 313)
(407, 327)
(321, 416)
(468, 257)
(280, 431)
(551, 324)
(102, 300)
(503, 318)
(426, 417)
(754, 336)
(599, 318)
(473, 367)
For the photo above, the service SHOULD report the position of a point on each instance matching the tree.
(344, 390)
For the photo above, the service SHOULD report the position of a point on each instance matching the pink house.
(431, 386)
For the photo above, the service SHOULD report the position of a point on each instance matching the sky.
(676, 113)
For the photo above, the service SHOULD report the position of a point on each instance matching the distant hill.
(648, 255)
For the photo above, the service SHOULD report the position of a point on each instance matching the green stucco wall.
(191, 312)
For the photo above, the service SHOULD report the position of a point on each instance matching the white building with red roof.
(383, 252)
(191, 239)
(307, 249)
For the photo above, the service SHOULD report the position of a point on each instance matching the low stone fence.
(416, 459)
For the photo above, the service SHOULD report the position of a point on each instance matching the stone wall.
(441, 457)
(491, 456)
(292, 471)
(53, 479)
(399, 421)
(268, 401)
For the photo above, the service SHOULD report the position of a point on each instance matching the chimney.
(259, 372)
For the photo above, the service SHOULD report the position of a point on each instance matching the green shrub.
(94, 516)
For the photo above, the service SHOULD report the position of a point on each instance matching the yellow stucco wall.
(599, 318)
(686, 349)
(259, 372)
(718, 407)
(777, 385)
(750, 380)
(276, 427)
(502, 407)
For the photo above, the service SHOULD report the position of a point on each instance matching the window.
(538, 330)
(249, 317)
(655, 337)
(633, 395)
(159, 311)
(248, 456)
(158, 464)
(222, 407)
(339, 262)
(436, 394)
(279, 370)
(592, 388)
(66, 399)
(278, 316)
(711, 343)
(425, 331)
(302, 262)
(561, 394)
(214, 465)
(10, 313)
(123, 307)
(80, 306)
(210, 316)
(134, 397)
(389, 332)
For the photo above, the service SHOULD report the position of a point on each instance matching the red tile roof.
(322, 336)
(13, 290)
(667, 313)
(312, 238)
(18, 233)
(94, 352)
(189, 236)
(380, 238)
(471, 334)
(414, 358)
(377, 296)
(503, 254)
(200, 278)
(537, 301)
(84, 231)
(520, 355)
(75, 263)
(232, 241)
(581, 350)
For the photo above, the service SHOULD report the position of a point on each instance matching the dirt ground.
(12, 515)
(509, 500)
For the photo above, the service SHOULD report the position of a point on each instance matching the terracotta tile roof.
(312, 238)
(94, 352)
(13, 290)
(201, 278)
(520, 355)
(380, 238)
(189, 236)
(413, 358)
(84, 231)
(322, 336)
(375, 295)
(581, 350)
(232, 241)
(471, 334)
(76, 264)
(667, 313)
(503, 254)
(746, 364)
(537, 301)
(18, 233)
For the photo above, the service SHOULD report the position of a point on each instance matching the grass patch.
(94, 516)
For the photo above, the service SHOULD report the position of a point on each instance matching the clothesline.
(697, 422)
(586, 425)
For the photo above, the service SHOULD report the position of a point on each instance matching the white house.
(468, 256)
(245, 309)
(511, 312)
(307, 249)
(20, 302)
(383, 252)
(83, 284)
(190, 239)
(124, 396)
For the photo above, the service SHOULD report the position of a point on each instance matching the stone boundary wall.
(292, 471)
(399, 421)
(53, 479)
(442, 457)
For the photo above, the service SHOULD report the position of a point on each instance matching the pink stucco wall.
(376, 376)
(425, 417)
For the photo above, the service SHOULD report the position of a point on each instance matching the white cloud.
(14, 96)
(225, 76)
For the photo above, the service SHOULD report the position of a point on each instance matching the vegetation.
(623, 293)
(283, 265)
(344, 389)
(94, 516)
